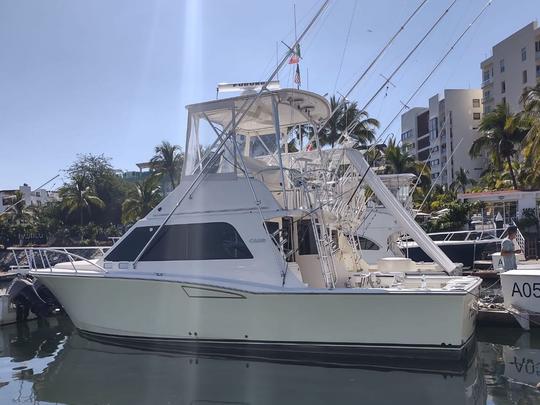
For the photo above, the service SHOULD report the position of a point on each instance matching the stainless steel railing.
(40, 258)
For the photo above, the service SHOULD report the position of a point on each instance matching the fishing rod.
(229, 131)
(22, 199)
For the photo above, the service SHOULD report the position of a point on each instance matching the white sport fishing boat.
(256, 251)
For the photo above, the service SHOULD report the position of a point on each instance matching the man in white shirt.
(508, 250)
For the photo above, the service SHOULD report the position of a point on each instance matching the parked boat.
(258, 251)
(465, 247)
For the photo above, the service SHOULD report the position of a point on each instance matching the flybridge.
(246, 86)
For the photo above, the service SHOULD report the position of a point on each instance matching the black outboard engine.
(29, 295)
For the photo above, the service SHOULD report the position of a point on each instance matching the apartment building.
(442, 134)
(514, 65)
(30, 197)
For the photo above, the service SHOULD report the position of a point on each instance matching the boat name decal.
(526, 290)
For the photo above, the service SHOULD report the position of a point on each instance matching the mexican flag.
(295, 57)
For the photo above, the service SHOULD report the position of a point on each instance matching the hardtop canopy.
(296, 107)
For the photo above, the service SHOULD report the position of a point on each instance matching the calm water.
(50, 363)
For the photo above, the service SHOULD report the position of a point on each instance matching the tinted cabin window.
(307, 245)
(366, 244)
(206, 241)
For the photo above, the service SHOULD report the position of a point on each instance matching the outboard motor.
(29, 295)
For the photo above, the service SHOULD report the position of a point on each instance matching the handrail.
(59, 247)
(480, 236)
(30, 253)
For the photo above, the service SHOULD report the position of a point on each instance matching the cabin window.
(262, 145)
(307, 245)
(204, 241)
(366, 244)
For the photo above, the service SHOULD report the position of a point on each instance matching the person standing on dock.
(508, 250)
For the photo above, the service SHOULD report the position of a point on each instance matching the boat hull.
(464, 253)
(521, 289)
(169, 311)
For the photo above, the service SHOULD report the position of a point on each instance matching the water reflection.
(510, 360)
(51, 363)
(54, 364)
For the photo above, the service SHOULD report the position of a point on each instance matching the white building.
(443, 133)
(30, 197)
(509, 203)
(514, 65)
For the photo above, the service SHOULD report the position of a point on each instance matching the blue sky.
(113, 77)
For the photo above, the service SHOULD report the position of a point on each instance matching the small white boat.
(257, 251)
(521, 288)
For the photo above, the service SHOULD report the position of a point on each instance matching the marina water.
(49, 362)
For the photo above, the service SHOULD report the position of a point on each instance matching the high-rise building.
(513, 66)
(442, 134)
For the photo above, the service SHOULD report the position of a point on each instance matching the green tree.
(398, 161)
(99, 176)
(18, 220)
(461, 181)
(79, 197)
(167, 161)
(501, 132)
(18, 213)
(531, 116)
(142, 198)
(346, 113)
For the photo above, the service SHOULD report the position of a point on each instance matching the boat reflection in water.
(512, 363)
(66, 368)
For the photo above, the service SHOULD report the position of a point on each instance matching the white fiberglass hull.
(142, 308)
(521, 289)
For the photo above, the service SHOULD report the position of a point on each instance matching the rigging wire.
(435, 182)
(343, 99)
(346, 44)
(433, 70)
(22, 199)
(355, 123)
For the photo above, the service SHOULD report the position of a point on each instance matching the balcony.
(487, 100)
(487, 82)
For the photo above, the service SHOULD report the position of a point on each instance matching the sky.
(113, 77)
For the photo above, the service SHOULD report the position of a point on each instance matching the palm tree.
(346, 113)
(461, 181)
(397, 161)
(168, 160)
(500, 132)
(531, 115)
(141, 199)
(77, 196)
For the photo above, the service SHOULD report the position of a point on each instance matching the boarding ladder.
(323, 239)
